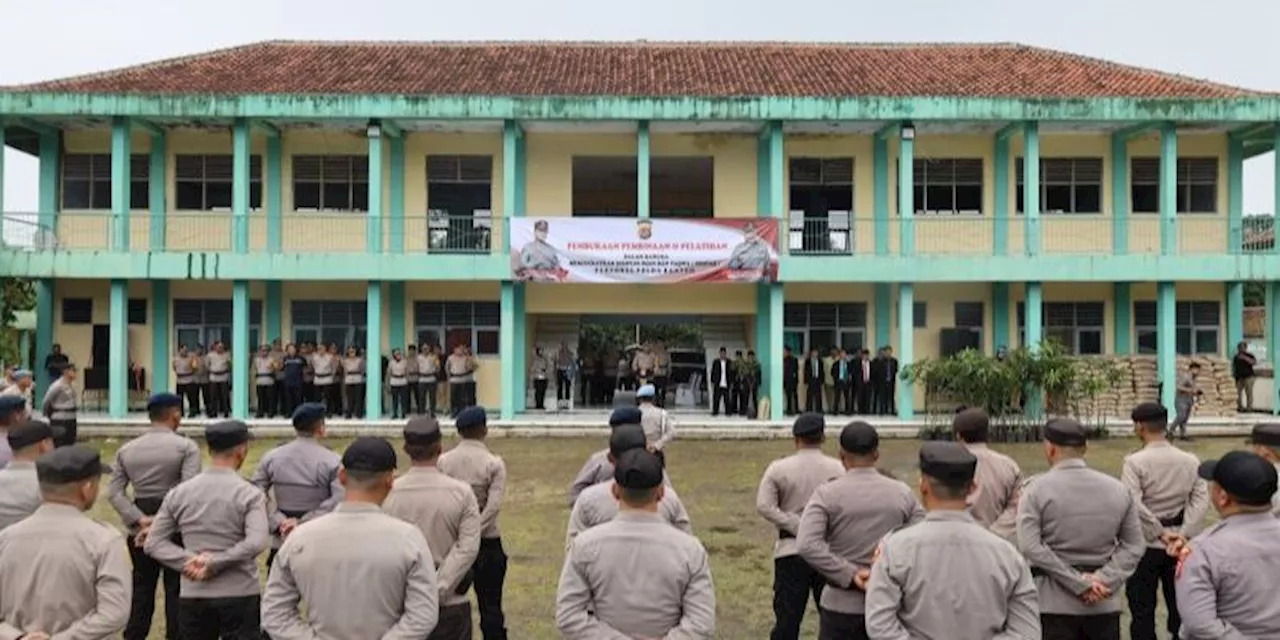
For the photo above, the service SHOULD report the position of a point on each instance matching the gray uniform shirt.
(843, 524)
(445, 511)
(64, 574)
(597, 506)
(428, 367)
(183, 372)
(1226, 590)
(1165, 482)
(6, 454)
(786, 488)
(1071, 519)
(994, 504)
(539, 256)
(59, 401)
(636, 577)
(154, 463)
(541, 368)
(220, 513)
(460, 369)
(750, 255)
(325, 366)
(19, 492)
(949, 577)
(397, 373)
(1275, 499)
(472, 463)
(352, 370)
(659, 426)
(595, 470)
(411, 367)
(219, 366)
(302, 477)
(264, 370)
(396, 596)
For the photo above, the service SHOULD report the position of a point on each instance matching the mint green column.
(373, 232)
(1273, 325)
(395, 321)
(999, 316)
(1168, 190)
(50, 157)
(157, 195)
(1123, 297)
(642, 169)
(240, 151)
(1119, 193)
(508, 324)
(1031, 186)
(906, 198)
(883, 314)
(2, 209)
(906, 347)
(1167, 341)
(275, 311)
(880, 200)
(118, 350)
(373, 350)
(1235, 315)
(396, 174)
(1235, 196)
(1000, 221)
(241, 350)
(121, 132)
(1034, 318)
(161, 336)
(521, 349)
(275, 193)
(511, 332)
(772, 295)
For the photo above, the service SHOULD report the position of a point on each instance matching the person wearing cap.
(994, 500)
(301, 475)
(784, 491)
(1227, 575)
(1265, 439)
(659, 426)
(538, 260)
(153, 464)
(60, 407)
(1170, 498)
(1081, 533)
(1187, 392)
(353, 383)
(19, 483)
(597, 504)
(184, 375)
(843, 523)
(539, 372)
(398, 383)
(63, 574)
(222, 521)
(949, 576)
(218, 364)
(472, 463)
(428, 377)
(412, 404)
(264, 370)
(598, 468)
(383, 587)
(446, 512)
(20, 387)
(636, 576)
(12, 413)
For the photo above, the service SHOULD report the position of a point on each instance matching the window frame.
(1074, 183)
(95, 179)
(446, 327)
(832, 321)
(355, 329)
(1147, 334)
(356, 181)
(208, 329)
(1140, 166)
(1075, 329)
(922, 181)
(204, 182)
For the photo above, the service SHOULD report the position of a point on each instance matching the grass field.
(717, 481)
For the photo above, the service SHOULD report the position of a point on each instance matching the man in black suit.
(790, 380)
(842, 374)
(723, 381)
(813, 376)
(884, 374)
(862, 382)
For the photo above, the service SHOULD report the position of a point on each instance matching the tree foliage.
(18, 295)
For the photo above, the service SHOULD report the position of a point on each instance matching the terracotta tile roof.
(727, 69)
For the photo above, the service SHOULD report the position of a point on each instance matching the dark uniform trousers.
(540, 394)
(271, 556)
(292, 398)
(220, 400)
(490, 573)
(793, 581)
(791, 391)
(266, 400)
(64, 432)
(220, 618)
(1155, 572)
(1104, 626)
(564, 386)
(457, 397)
(191, 391)
(146, 573)
(844, 626)
(454, 623)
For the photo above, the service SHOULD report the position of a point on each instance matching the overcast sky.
(1228, 41)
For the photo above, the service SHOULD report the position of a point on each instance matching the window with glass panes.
(204, 322)
(1077, 326)
(204, 182)
(1067, 185)
(948, 185)
(821, 204)
(449, 324)
(1197, 190)
(341, 322)
(1198, 327)
(970, 316)
(824, 326)
(331, 183)
(459, 202)
(86, 181)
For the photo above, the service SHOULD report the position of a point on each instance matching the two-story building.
(928, 197)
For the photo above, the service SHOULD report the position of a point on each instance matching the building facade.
(360, 194)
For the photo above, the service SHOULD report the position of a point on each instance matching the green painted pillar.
(1031, 187)
(777, 402)
(1273, 329)
(762, 172)
(642, 169)
(511, 332)
(1123, 318)
(508, 324)
(45, 293)
(46, 289)
(1235, 315)
(777, 169)
(1275, 246)
(275, 193)
(241, 350)
(1235, 195)
(161, 336)
(2, 209)
(1034, 327)
(880, 200)
(118, 350)
(521, 351)
(396, 175)
(1167, 341)
(240, 151)
(883, 314)
(1000, 315)
(373, 232)
(906, 347)
(395, 318)
(157, 195)
(773, 293)
(373, 350)
(1168, 190)
(121, 138)
(906, 197)
(1119, 193)
(1000, 221)
(275, 311)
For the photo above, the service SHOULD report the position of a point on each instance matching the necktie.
(843, 370)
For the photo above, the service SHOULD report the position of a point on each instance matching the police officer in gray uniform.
(60, 407)
(47, 591)
(396, 594)
(1080, 531)
(13, 411)
(598, 468)
(19, 484)
(636, 576)
(302, 476)
(222, 519)
(1227, 586)
(153, 463)
(1265, 439)
(949, 577)
(784, 491)
(843, 524)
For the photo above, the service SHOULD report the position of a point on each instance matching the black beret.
(971, 421)
(625, 415)
(164, 399)
(1244, 475)
(1149, 412)
(11, 404)
(638, 469)
(228, 434)
(947, 462)
(422, 431)
(1266, 434)
(68, 464)
(809, 424)
(28, 433)
(369, 453)
(471, 417)
(1065, 432)
(859, 438)
(307, 415)
(625, 438)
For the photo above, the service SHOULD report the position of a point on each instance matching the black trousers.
(64, 431)
(883, 399)
(221, 399)
(813, 398)
(540, 394)
(862, 396)
(146, 573)
(843, 626)
(206, 397)
(660, 385)
(844, 399)
(1105, 626)
(564, 388)
(792, 393)
(490, 573)
(419, 400)
(355, 399)
(1156, 571)
(747, 401)
(293, 396)
(266, 400)
(399, 402)
(721, 396)
(457, 397)
(220, 618)
(333, 399)
(428, 391)
(191, 391)
(793, 582)
(454, 623)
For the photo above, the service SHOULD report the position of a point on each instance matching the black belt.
(396, 376)
(1037, 571)
(296, 515)
(148, 506)
(786, 535)
(1174, 521)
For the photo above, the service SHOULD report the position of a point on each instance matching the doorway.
(608, 345)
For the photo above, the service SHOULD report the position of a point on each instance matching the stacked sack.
(1139, 382)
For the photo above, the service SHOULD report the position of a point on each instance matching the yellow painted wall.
(700, 299)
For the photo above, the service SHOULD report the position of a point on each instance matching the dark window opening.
(331, 183)
(821, 205)
(460, 203)
(681, 187)
(604, 186)
(948, 186)
(205, 182)
(86, 181)
(1067, 185)
(1197, 190)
